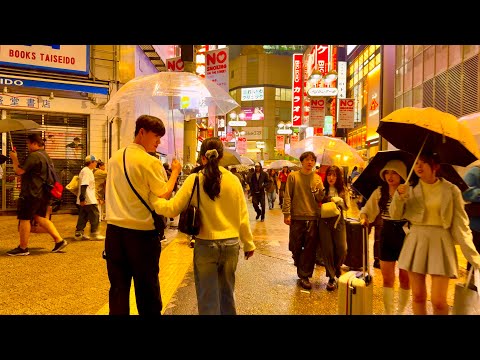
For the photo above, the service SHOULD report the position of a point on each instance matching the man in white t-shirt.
(87, 202)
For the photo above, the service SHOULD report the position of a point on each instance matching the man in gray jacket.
(304, 191)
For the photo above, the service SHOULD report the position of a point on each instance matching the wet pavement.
(74, 281)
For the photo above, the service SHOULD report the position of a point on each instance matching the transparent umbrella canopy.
(174, 93)
(329, 151)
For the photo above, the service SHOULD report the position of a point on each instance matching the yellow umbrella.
(414, 129)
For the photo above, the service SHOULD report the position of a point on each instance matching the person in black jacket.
(258, 180)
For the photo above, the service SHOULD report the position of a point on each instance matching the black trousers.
(133, 254)
(259, 198)
(303, 243)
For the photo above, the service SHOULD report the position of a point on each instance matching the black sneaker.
(18, 251)
(60, 245)
(258, 216)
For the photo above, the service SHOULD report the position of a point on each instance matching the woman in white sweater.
(392, 234)
(435, 209)
(224, 220)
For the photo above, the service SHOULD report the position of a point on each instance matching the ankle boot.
(388, 300)
(403, 298)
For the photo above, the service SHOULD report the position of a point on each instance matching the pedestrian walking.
(332, 230)
(258, 180)
(34, 199)
(271, 188)
(303, 191)
(132, 245)
(217, 246)
(282, 177)
(392, 234)
(87, 202)
(435, 209)
(100, 175)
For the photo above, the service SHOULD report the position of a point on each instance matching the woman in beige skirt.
(435, 209)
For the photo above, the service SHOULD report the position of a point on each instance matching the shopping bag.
(467, 298)
(73, 185)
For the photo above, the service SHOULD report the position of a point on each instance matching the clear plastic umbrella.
(177, 94)
(329, 151)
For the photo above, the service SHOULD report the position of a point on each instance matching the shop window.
(407, 98)
(470, 50)
(407, 84)
(408, 53)
(399, 81)
(418, 70)
(429, 63)
(417, 49)
(399, 59)
(441, 58)
(454, 55)
(418, 96)
(399, 102)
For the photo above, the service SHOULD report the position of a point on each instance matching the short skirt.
(429, 250)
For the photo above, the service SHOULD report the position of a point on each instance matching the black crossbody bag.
(158, 220)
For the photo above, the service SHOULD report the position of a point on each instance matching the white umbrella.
(279, 164)
(7, 125)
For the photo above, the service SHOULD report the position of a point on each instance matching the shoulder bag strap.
(195, 185)
(49, 168)
(128, 179)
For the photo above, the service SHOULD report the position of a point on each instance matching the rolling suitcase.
(355, 288)
(354, 232)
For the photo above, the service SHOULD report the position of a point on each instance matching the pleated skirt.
(429, 250)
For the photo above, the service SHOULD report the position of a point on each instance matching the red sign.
(322, 58)
(297, 89)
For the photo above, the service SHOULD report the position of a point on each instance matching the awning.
(24, 81)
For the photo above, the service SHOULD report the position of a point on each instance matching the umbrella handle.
(418, 155)
(11, 142)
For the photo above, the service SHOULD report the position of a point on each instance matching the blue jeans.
(215, 263)
(271, 196)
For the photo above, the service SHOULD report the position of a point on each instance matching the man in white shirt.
(132, 245)
(87, 202)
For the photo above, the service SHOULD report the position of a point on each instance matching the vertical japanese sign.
(373, 105)
(346, 112)
(322, 58)
(217, 67)
(297, 90)
(317, 112)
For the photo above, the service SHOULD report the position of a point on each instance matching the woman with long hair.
(435, 209)
(392, 234)
(224, 220)
(333, 239)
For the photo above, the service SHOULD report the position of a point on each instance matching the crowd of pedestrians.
(421, 221)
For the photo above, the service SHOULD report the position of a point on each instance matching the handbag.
(52, 183)
(329, 209)
(466, 299)
(73, 185)
(189, 221)
(158, 220)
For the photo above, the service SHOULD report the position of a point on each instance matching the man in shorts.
(34, 199)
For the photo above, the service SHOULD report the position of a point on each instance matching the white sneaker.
(85, 237)
(97, 237)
